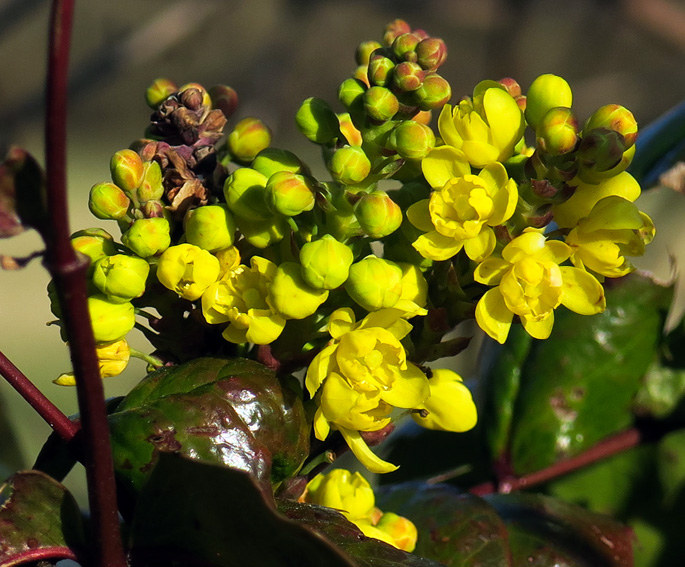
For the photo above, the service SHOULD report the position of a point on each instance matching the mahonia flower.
(360, 376)
(615, 228)
(450, 406)
(188, 270)
(531, 284)
(485, 128)
(352, 495)
(113, 358)
(241, 299)
(462, 213)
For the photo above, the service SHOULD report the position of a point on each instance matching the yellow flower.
(188, 270)
(485, 128)
(113, 358)
(462, 213)
(614, 229)
(241, 299)
(360, 376)
(531, 284)
(450, 406)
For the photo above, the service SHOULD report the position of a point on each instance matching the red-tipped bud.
(380, 104)
(224, 98)
(511, 86)
(408, 76)
(158, 92)
(411, 140)
(364, 51)
(151, 186)
(404, 46)
(153, 209)
(108, 201)
(601, 149)
(127, 170)
(380, 70)
(378, 214)
(433, 93)
(289, 193)
(349, 165)
(614, 117)
(431, 53)
(557, 132)
(395, 29)
(249, 137)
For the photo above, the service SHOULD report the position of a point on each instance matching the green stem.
(151, 360)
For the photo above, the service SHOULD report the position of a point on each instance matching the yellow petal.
(450, 404)
(390, 320)
(480, 247)
(66, 379)
(491, 270)
(581, 292)
(408, 390)
(505, 119)
(435, 246)
(446, 127)
(539, 329)
(493, 316)
(341, 321)
(319, 368)
(479, 153)
(322, 426)
(365, 455)
(419, 215)
(442, 164)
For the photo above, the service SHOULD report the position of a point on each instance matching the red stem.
(59, 422)
(69, 275)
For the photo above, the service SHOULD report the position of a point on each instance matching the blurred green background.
(275, 53)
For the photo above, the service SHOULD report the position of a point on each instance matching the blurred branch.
(663, 19)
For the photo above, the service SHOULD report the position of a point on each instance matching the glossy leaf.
(39, 520)
(544, 531)
(455, 528)
(229, 411)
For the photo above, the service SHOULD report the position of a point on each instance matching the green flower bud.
(431, 53)
(94, 243)
(601, 149)
(404, 46)
(249, 137)
(151, 185)
(317, 121)
(158, 92)
(325, 262)
(111, 321)
(394, 29)
(378, 214)
(614, 117)
(290, 295)
(433, 93)
(408, 76)
(108, 201)
(374, 283)
(364, 51)
(153, 209)
(187, 270)
(380, 70)
(263, 233)
(210, 227)
(289, 193)
(546, 92)
(411, 140)
(245, 193)
(148, 237)
(120, 277)
(351, 92)
(349, 165)
(557, 132)
(224, 98)
(271, 160)
(380, 103)
(127, 169)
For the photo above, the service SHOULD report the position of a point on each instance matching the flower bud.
(151, 185)
(153, 209)
(378, 214)
(411, 140)
(94, 243)
(450, 406)
(245, 193)
(404, 46)
(270, 160)
(380, 69)
(557, 132)
(291, 296)
(601, 149)
(374, 283)
(546, 92)
(108, 201)
(431, 53)
(408, 76)
(401, 530)
(350, 493)
(614, 117)
(350, 92)
(120, 277)
(158, 92)
(511, 86)
(210, 227)
(203, 100)
(127, 171)
(113, 359)
(263, 233)
(325, 262)
(317, 121)
(289, 193)
(380, 103)
(187, 270)
(364, 50)
(349, 165)
(224, 98)
(249, 137)
(111, 321)
(148, 237)
(433, 93)
(394, 29)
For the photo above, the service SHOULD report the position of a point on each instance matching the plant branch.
(69, 275)
(59, 422)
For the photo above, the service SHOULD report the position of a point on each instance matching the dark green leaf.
(39, 520)
(544, 531)
(234, 412)
(457, 529)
